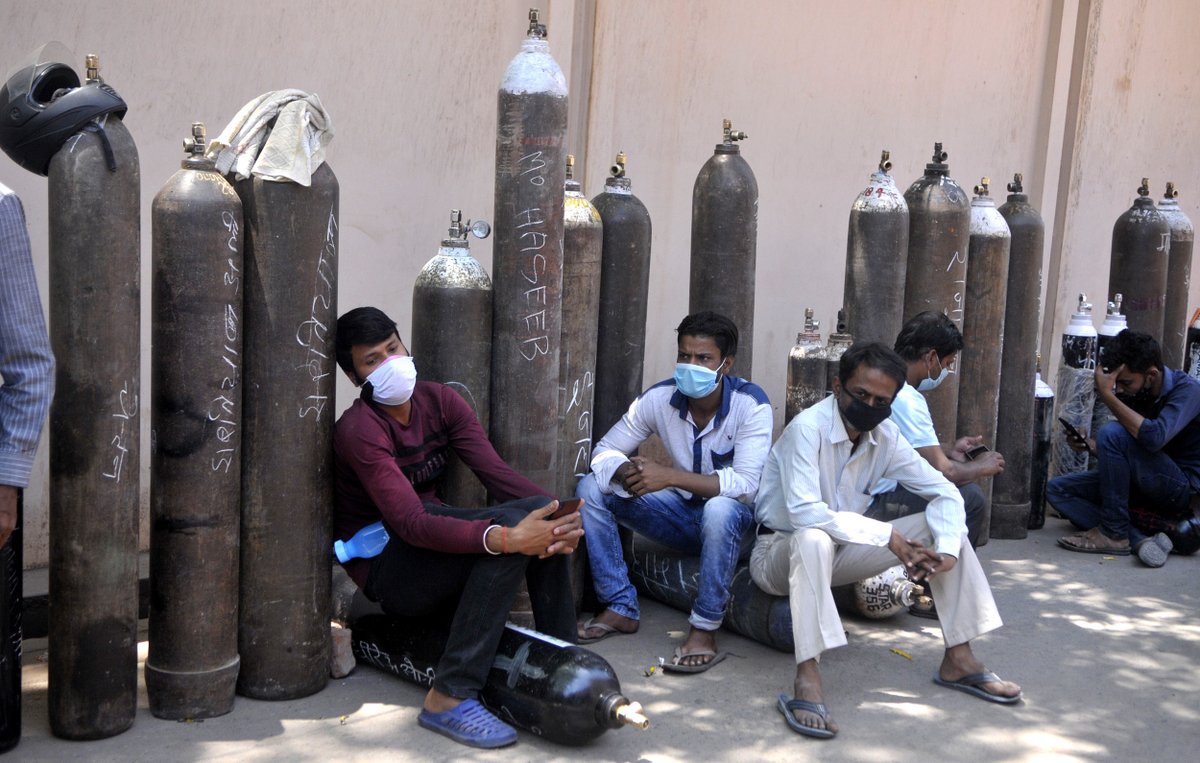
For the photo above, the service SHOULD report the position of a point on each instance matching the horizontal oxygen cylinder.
(880, 596)
(1076, 393)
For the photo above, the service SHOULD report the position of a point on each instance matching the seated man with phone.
(1149, 457)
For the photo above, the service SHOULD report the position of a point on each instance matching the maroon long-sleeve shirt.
(387, 470)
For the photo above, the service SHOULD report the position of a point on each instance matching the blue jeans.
(714, 529)
(1100, 498)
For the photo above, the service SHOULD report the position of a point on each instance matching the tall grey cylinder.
(876, 259)
(1179, 276)
(1141, 244)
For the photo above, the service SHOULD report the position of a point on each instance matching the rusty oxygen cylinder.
(527, 259)
(1043, 429)
(725, 242)
(839, 342)
(624, 289)
(1022, 313)
(95, 330)
(1114, 323)
(1179, 275)
(196, 435)
(1141, 243)
(983, 329)
(876, 258)
(938, 239)
(545, 686)
(1076, 389)
(291, 255)
(880, 596)
(12, 571)
(452, 339)
(1192, 354)
(583, 240)
(805, 370)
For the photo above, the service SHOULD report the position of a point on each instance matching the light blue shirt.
(910, 414)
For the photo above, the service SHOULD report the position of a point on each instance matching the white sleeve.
(614, 448)
(749, 454)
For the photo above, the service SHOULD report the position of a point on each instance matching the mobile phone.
(1075, 434)
(566, 506)
(976, 452)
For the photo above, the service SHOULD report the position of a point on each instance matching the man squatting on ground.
(462, 564)
(814, 535)
(1150, 456)
(717, 429)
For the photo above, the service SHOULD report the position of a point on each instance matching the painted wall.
(1082, 97)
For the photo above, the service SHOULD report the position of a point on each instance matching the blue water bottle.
(366, 543)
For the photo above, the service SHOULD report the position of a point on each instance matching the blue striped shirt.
(26, 363)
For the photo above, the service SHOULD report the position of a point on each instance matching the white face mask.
(393, 381)
(929, 383)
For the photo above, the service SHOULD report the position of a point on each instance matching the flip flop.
(674, 665)
(1066, 542)
(786, 706)
(471, 724)
(972, 685)
(606, 630)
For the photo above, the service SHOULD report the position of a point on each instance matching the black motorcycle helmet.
(43, 105)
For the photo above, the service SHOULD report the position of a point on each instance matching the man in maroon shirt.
(391, 449)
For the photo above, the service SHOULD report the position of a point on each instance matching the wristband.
(485, 545)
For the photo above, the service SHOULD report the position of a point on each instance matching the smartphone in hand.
(566, 506)
(1076, 435)
(976, 452)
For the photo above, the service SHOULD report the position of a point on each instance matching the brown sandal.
(1094, 542)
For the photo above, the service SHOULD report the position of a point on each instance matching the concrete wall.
(1084, 97)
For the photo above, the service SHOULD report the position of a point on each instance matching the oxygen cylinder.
(880, 596)
(527, 259)
(1076, 389)
(624, 289)
(95, 330)
(1022, 314)
(291, 252)
(545, 686)
(1114, 323)
(839, 342)
(876, 258)
(983, 329)
(11, 573)
(806, 369)
(452, 338)
(1192, 355)
(1043, 428)
(1179, 275)
(939, 230)
(583, 240)
(725, 241)
(1141, 243)
(196, 434)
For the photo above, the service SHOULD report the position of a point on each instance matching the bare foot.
(960, 662)
(621, 623)
(698, 641)
(808, 688)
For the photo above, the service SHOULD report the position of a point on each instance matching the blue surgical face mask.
(929, 383)
(695, 381)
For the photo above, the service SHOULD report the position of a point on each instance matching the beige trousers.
(804, 565)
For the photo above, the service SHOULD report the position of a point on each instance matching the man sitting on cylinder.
(717, 429)
(816, 533)
(391, 448)
(1148, 460)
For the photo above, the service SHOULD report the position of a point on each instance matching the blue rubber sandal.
(471, 724)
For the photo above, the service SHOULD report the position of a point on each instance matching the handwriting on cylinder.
(313, 333)
(126, 424)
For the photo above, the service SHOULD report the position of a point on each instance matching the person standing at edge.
(464, 564)
(717, 429)
(814, 534)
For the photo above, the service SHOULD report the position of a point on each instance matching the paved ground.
(1108, 653)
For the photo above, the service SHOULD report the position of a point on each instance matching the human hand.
(538, 535)
(937, 564)
(8, 512)
(989, 463)
(646, 477)
(1106, 381)
(568, 530)
(917, 559)
(961, 446)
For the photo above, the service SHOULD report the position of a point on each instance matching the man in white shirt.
(814, 493)
(717, 430)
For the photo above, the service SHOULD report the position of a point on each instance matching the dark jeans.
(900, 502)
(1100, 498)
(475, 592)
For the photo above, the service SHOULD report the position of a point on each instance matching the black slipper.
(786, 706)
(973, 684)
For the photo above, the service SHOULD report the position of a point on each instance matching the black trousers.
(901, 502)
(474, 592)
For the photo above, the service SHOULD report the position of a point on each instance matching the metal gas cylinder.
(545, 686)
(1043, 429)
(196, 437)
(806, 369)
(1141, 243)
(291, 251)
(939, 232)
(725, 242)
(983, 330)
(1114, 323)
(527, 258)
(1076, 394)
(876, 258)
(839, 342)
(452, 338)
(624, 289)
(12, 572)
(583, 240)
(1018, 360)
(880, 596)
(1192, 353)
(1179, 273)
(95, 330)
